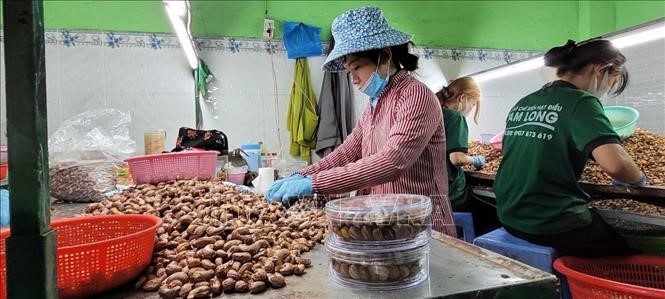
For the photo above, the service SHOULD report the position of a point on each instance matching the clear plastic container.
(380, 267)
(385, 219)
(222, 160)
(154, 142)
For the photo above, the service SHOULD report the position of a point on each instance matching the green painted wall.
(631, 13)
(531, 25)
(597, 18)
(534, 25)
(119, 15)
(124, 15)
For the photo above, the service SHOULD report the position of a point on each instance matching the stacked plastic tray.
(379, 242)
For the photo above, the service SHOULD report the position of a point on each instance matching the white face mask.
(599, 89)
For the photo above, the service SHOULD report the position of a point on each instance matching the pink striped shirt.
(396, 147)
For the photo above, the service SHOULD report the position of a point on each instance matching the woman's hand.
(641, 183)
(614, 160)
(278, 184)
(478, 161)
(462, 159)
(290, 189)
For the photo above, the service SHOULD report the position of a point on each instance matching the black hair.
(574, 57)
(331, 44)
(400, 56)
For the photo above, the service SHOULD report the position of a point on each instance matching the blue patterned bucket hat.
(360, 30)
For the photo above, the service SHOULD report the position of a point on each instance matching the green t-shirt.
(549, 137)
(457, 137)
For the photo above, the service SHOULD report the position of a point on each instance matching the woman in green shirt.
(550, 134)
(457, 101)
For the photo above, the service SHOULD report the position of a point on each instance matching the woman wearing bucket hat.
(398, 144)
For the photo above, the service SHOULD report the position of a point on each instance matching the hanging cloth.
(302, 120)
(202, 77)
(301, 40)
(335, 112)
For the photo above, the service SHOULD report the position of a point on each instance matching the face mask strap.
(604, 82)
(593, 84)
(378, 65)
(375, 84)
(606, 72)
(596, 87)
(616, 72)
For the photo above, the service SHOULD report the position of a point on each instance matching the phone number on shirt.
(530, 134)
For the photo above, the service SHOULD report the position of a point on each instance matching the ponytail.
(574, 57)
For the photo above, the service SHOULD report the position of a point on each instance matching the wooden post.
(31, 248)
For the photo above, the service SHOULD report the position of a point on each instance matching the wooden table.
(456, 270)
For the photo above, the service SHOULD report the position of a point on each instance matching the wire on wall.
(265, 14)
(274, 84)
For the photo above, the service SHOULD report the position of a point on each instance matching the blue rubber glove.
(293, 189)
(641, 183)
(478, 161)
(278, 183)
(4, 207)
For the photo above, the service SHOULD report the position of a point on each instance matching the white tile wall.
(147, 75)
(645, 92)
(155, 85)
(646, 89)
(53, 83)
(82, 73)
(498, 97)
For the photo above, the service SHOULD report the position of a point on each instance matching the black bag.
(212, 140)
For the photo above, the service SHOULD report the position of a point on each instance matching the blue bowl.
(623, 120)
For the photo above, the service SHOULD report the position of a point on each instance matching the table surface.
(455, 267)
(648, 194)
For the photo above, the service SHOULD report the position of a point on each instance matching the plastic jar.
(379, 267)
(383, 219)
(154, 142)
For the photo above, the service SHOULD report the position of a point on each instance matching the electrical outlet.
(268, 28)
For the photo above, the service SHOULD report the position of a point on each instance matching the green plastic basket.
(623, 120)
(653, 245)
(644, 237)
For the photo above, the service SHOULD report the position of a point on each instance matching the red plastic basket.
(152, 169)
(98, 253)
(3, 171)
(639, 276)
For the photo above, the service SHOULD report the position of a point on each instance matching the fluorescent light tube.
(639, 37)
(522, 66)
(175, 13)
(178, 6)
(620, 41)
